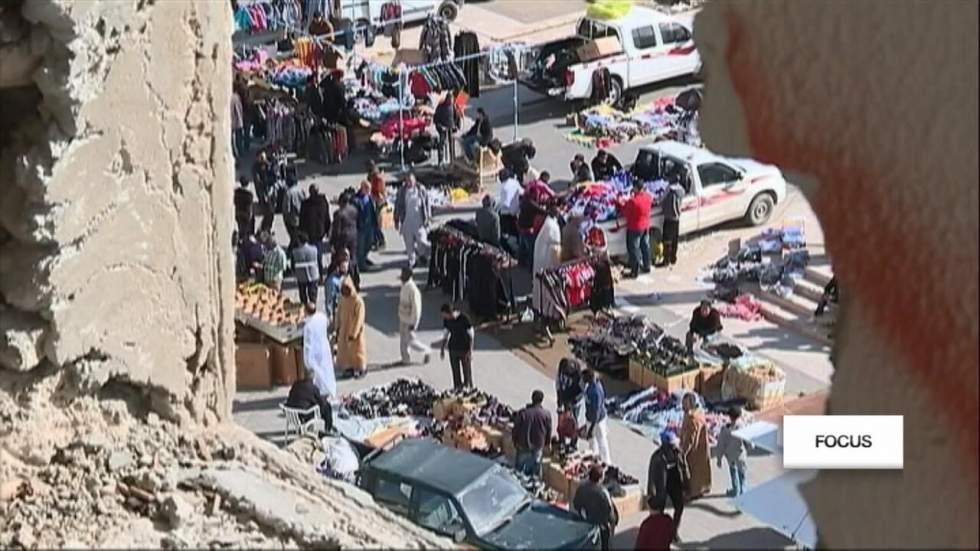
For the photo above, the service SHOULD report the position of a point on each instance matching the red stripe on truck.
(683, 50)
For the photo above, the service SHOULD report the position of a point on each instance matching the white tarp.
(779, 504)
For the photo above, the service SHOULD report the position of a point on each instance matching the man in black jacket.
(604, 165)
(244, 213)
(314, 220)
(343, 234)
(667, 476)
(446, 120)
(705, 322)
(516, 157)
(532, 432)
(304, 395)
(479, 134)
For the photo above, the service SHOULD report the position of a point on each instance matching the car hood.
(754, 169)
(542, 526)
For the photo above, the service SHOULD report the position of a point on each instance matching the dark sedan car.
(470, 499)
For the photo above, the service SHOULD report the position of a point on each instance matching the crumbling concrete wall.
(115, 182)
(116, 286)
(876, 102)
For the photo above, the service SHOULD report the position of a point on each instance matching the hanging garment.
(435, 42)
(466, 44)
(600, 85)
(317, 356)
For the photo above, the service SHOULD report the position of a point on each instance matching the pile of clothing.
(651, 411)
(745, 307)
(662, 119)
(610, 342)
(776, 260)
(402, 397)
(537, 489)
(598, 201)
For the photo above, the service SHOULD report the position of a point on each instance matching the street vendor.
(479, 134)
(604, 165)
(517, 156)
(705, 322)
(573, 245)
(581, 171)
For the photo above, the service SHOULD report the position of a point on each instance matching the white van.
(360, 12)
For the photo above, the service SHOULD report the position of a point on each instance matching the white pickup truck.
(652, 47)
(719, 190)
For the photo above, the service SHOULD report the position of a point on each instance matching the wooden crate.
(687, 380)
(636, 372)
(252, 367)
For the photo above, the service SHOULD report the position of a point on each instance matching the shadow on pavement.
(751, 538)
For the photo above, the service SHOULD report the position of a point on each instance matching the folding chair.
(295, 427)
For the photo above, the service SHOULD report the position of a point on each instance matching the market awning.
(779, 504)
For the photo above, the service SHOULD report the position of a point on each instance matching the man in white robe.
(316, 351)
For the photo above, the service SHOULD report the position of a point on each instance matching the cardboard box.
(252, 367)
(554, 476)
(600, 47)
(494, 437)
(283, 362)
(246, 334)
(709, 381)
(687, 380)
(632, 503)
(386, 436)
(636, 373)
(408, 56)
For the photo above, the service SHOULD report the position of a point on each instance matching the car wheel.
(448, 11)
(615, 91)
(760, 209)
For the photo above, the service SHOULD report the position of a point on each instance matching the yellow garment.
(609, 9)
(351, 341)
(458, 194)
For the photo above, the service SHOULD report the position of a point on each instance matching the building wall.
(115, 182)
(874, 105)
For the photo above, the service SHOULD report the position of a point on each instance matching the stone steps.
(792, 322)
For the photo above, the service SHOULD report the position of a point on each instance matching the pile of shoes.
(402, 397)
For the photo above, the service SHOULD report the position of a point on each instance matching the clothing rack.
(403, 81)
(558, 302)
(468, 268)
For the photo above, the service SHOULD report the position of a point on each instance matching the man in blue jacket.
(595, 416)
(367, 225)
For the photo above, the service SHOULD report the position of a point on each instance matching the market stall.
(268, 335)
(466, 268)
(666, 118)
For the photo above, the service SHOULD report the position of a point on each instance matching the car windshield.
(494, 499)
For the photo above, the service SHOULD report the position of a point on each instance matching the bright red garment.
(656, 533)
(418, 85)
(410, 126)
(636, 210)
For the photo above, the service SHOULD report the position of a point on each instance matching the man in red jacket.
(636, 211)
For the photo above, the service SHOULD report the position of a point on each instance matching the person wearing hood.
(488, 222)
(604, 165)
(667, 477)
(317, 356)
(351, 340)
